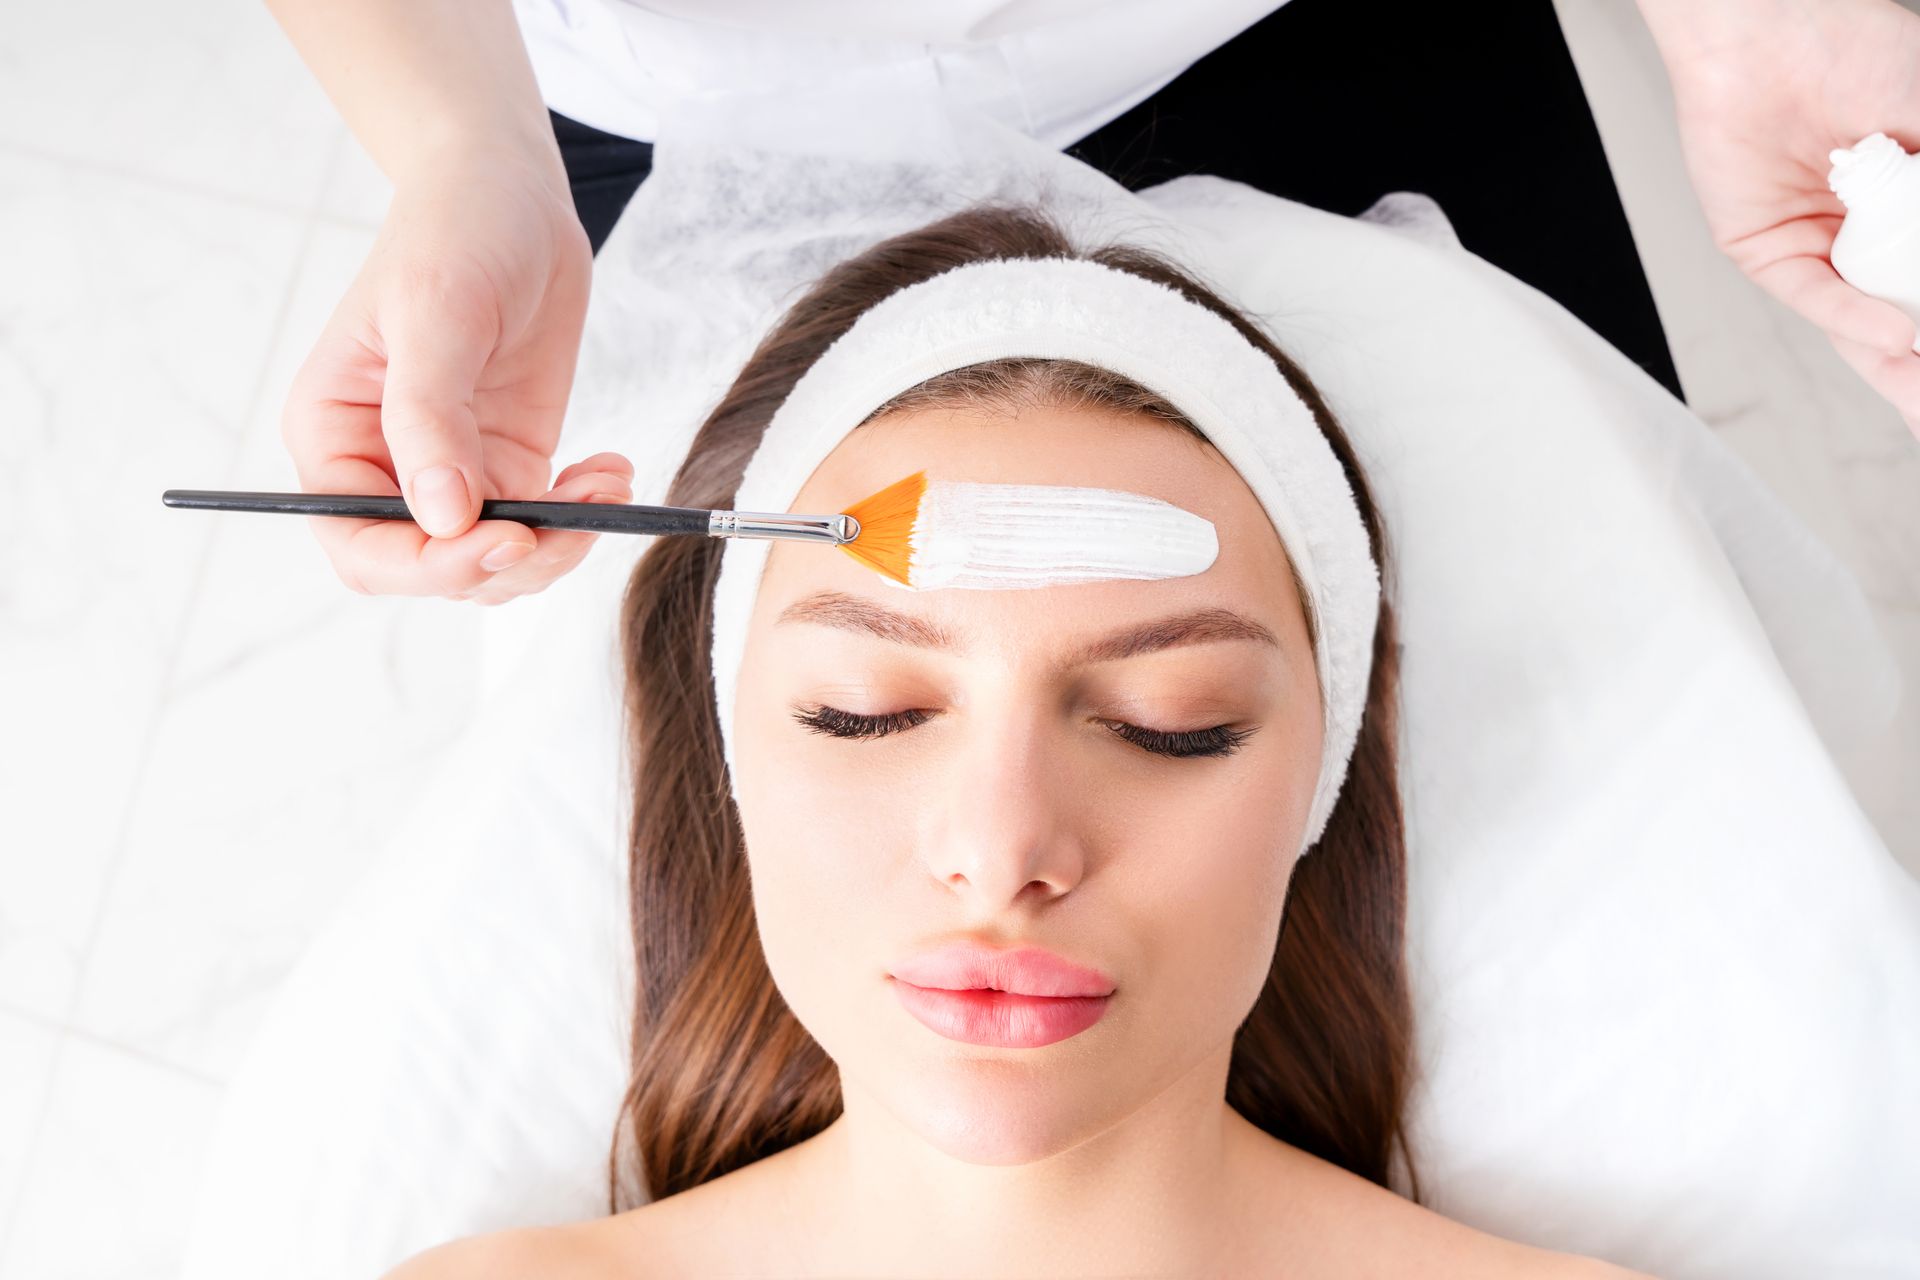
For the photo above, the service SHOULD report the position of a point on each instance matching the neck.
(1154, 1193)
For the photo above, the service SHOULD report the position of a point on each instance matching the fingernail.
(439, 499)
(507, 553)
(606, 497)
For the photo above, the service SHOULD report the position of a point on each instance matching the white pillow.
(1666, 976)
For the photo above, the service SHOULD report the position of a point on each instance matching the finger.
(332, 409)
(1812, 287)
(397, 557)
(438, 332)
(394, 557)
(611, 463)
(1896, 378)
(561, 550)
(584, 479)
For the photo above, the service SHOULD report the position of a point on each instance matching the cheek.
(1204, 881)
(811, 840)
(816, 856)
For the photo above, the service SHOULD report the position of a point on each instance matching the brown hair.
(723, 1074)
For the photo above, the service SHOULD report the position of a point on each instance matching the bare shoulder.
(1573, 1266)
(1359, 1228)
(573, 1251)
(701, 1231)
(1443, 1246)
(1527, 1262)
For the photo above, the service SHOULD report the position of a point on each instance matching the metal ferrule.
(833, 530)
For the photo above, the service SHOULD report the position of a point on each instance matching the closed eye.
(1219, 740)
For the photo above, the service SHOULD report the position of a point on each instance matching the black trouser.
(1333, 103)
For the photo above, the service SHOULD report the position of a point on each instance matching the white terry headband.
(1070, 309)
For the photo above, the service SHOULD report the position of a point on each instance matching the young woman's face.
(1005, 802)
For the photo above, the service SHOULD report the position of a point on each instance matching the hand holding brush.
(380, 549)
(880, 539)
(917, 533)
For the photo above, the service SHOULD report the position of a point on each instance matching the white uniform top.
(1054, 69)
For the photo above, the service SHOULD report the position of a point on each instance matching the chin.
(997, 1112)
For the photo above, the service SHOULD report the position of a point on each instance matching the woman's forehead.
(1082, 447)
(1090, 446)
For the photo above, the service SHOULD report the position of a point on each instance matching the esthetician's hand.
(1764, 90)
(443, 376)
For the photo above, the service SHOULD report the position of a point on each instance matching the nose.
(1006, 833)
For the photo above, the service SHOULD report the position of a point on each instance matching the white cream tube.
(1876, 250)
(1010, 536)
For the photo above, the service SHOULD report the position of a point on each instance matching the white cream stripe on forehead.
(1069, 309)
(999, 537)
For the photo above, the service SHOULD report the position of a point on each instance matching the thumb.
(1813, 288)
(436, 349)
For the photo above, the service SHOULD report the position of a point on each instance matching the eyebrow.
(856, 613)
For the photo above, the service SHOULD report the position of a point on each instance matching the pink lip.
(1019, 999)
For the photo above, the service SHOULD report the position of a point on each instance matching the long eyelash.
(1220, 740)
(845, 724)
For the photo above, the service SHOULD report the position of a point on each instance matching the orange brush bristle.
(886, 523)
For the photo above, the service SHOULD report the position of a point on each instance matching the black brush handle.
(595, 517)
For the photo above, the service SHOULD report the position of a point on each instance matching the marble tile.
(1769, 383)
(274, 784)
(26, 1072)
(331, 257)
(355, 190)
(63, 784)
(113, 1171)
(209, 96)
(300, 720)
(133, 327)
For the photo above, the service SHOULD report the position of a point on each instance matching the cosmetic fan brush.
(876, 531)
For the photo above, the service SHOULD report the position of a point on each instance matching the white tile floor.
(179, 210)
